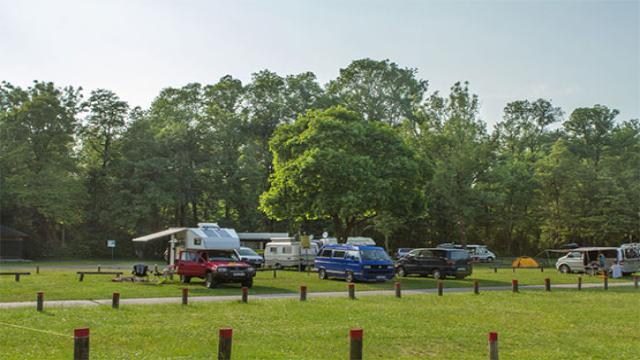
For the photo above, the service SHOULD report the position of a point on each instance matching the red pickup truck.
(215, 267)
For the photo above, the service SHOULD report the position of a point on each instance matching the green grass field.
(60, 283)
(591, 324)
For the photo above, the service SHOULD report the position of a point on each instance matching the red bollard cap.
(356, 334)
(352, 285)
(226, 333)
(303, 287)
(245, 289)
(40, 293)
(116, 293)
(185, 290)
(81, 333)
(493, 336)
(514, 282)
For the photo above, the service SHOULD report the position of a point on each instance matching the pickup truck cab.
(215, 267)
(354, 262)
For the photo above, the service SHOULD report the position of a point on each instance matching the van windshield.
(220, 255)
(247, 252)
(374, 254)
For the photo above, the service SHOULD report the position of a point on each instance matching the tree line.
(372, 152)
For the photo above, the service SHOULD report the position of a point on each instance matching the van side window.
(353, 255)
(286, 249)
(575, 255)
(326, 253)
(339, 254)
(273, 250)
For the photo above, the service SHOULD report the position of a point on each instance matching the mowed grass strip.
(63, 284)
(568, 324)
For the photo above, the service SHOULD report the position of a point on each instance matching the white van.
(629, 258)
(360, 241)
(285, 252)
(587, 259)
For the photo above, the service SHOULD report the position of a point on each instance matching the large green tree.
(334, 165)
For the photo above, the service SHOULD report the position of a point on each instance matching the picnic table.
(16, 274)
(83, 273)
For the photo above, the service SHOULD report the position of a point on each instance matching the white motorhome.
(360, 240)
(286, 252)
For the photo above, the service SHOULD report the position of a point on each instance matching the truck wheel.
(349, 277)
(322, 274)
(401, 272)
(437, 274)
(185, 279)
(248, 283)
(565, 269)
(209, 281)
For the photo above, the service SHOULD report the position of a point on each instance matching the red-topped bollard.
(514, 285)
(185, 296)
(476, 287)
(39, 300)
(355, 352)
(635, 281)
(303, 293)
(352, 291)
(440, 286)
(398, 289)
(81, 344)
(245, 294)
(579, 282)
(115, 300)
(547, 284)
(493, 346)
(606, 282)
(225, 336)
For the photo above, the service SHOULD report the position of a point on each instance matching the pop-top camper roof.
(205, 236)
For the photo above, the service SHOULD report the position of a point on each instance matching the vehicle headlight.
(367, 266)
(221, 269)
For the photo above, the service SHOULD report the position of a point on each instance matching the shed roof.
(7, 232)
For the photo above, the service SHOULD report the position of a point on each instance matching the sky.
(576, 54)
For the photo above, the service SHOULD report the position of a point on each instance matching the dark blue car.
(354, 262)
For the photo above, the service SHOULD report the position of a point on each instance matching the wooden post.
(17, 277)
(37, 269)
(185, 296)
(245, 294)
(398, 289)
(352, 291)
(476, 287)
(579, 282)
(541, 268)
(514, 269)
(98, 268)
(547, 284)
(274, 273)
(355, 351)
(81, 344)
(440, 285)
(39, 300)
(495, 269)
(606, 282)
(81, 277)
(303, 293)
(493, 346)
(635, 281)
(115, 300)
(514, 285)
(224, 343)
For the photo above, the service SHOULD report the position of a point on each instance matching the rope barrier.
(36, 330)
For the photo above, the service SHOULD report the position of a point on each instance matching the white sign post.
(111, 244)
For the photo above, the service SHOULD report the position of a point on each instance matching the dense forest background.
(77, 167)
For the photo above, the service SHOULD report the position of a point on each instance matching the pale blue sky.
(575, 53)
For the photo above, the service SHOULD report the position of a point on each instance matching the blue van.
(354, 262)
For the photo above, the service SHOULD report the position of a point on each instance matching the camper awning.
(159, 234)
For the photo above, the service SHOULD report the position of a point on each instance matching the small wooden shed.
(11, 243)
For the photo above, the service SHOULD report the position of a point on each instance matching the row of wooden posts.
(225, 340)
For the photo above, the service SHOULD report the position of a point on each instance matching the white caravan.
(286, 252)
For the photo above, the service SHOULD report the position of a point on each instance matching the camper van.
(586, 259)
(359, 240)
(286, 252)
(629, 258)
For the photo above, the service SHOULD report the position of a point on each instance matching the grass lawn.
(591, 324)
(60, 283)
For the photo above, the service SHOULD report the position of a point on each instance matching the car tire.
(349, 277)
(437, 274)
(565, 269)
(209, 281)
(248, 283)
(322, 274)
(401, 272)
(490, 259)
(185, 279)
